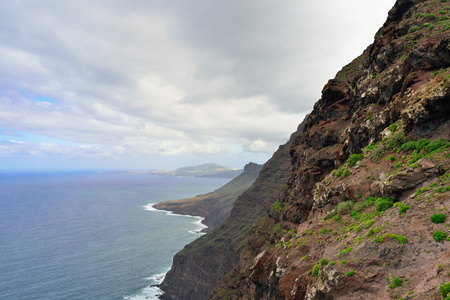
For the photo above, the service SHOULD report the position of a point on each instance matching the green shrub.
(393, 128)
(372, 231)
(332, 263)
(315, 270)
(377, 154)
(370, 201)
(383, 204)
(444, 290)
(442, 189)
(439, 235)
(354, 158)
(398, 165)
(378, 239)
(398, 281)
(351, 273)
(345, 251)
(345, 173)
(357, 228)
(413, 28)
(345, 208)
(359, 207)
(400, 238)
(431, 16)
(415, 145)
(403, 208)
(323, 262)
(341, 172)
(421, 190)
(397, 139)
(438, 218)
(434, 145)
(368, 223)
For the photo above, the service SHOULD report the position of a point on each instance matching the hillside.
(202, 263)
(211, 170)
(357, 218)
(217, 205)
(361, 210)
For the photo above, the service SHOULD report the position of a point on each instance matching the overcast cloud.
(165, 84)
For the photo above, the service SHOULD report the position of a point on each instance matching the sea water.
(91, 235)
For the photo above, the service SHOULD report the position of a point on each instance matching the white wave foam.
(150, 207)
(148, 293)
(151, 292)
(157, 278)
(200, 225)
(198, 221)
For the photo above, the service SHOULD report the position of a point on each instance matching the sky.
(153, 84)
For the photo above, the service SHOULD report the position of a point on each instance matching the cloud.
(226, 79)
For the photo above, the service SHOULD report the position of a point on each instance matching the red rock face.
(397, 90)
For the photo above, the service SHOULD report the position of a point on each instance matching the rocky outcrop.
(216, 206)
(331, 233)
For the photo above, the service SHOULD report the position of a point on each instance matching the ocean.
(91, 235)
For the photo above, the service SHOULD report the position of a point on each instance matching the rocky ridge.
(371, 165)
(216, 206)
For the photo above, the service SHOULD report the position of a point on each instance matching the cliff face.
(217, 205)
(334, 231)
(198, 267)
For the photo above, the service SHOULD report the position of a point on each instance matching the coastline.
(151, 207)
(153, 291)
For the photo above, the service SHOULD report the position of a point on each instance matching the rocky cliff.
(362, 210)
(364, 214)
(217, 205)
(198, 267)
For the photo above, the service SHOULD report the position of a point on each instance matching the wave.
(151, 292)
(157, 278)
(198, 220)
(148, 293)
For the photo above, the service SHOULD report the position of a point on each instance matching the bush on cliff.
(397, 139)
(354, 158)
(415, 145)
(377, 154)
(438, 218)
(445, 290)
(315, 270)
(436, 144)
(383, 204)
(344, 208)
(439, 235)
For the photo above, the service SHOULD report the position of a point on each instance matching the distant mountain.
(211, 170)
(215, 206)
